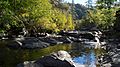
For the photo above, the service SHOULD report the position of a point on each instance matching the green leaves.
(35, 15)
(104, 19)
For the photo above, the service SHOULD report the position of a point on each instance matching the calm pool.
(81, 55)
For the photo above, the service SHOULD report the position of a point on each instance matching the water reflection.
(11, 57)
(82, 56)
(84, 60)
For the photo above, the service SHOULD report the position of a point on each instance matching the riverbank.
(85, 37)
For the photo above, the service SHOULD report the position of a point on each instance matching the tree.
(103, 19)
(105, 3)
(80, 11)
(117, 23)
(37, 16)
(19, 13)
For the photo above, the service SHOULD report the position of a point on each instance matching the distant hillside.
(79, 11)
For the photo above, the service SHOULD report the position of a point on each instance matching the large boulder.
(33, 43)
(58, 59)
(29, 43)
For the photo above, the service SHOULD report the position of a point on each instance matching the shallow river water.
(82, 55)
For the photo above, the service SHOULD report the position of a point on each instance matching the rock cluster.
(112, 55)
(42, 42)
(39, 42)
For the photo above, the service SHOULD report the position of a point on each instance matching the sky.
(83, 2)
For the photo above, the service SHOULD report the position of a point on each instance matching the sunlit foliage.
(37, 15)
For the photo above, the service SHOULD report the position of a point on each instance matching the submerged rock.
(15, 44)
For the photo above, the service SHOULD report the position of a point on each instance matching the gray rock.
(33, 43)
(116, 58)
(63, 39)
(58, 59)
(50, 40)
(29, 43)
(29, 64)
(75, 39)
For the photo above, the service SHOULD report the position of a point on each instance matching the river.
(81, 54)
